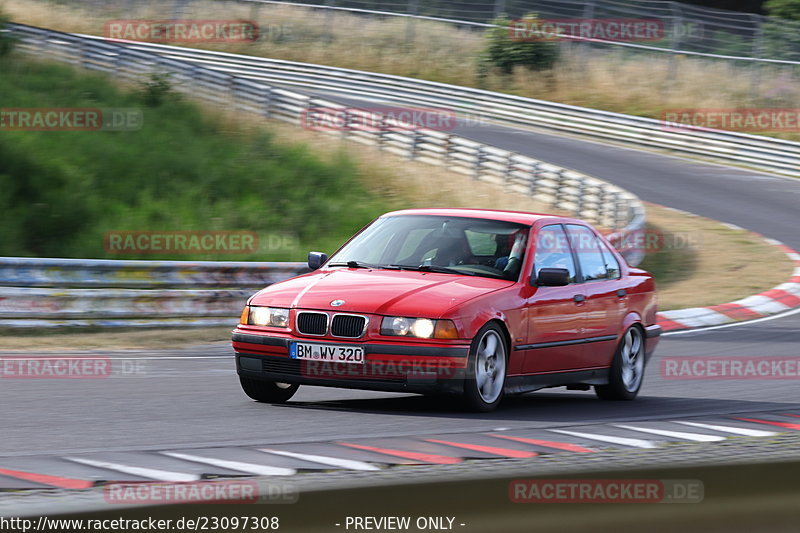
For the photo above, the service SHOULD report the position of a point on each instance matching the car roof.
(520, 217)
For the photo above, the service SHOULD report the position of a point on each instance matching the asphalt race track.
(183, 412)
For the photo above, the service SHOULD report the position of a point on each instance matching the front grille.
(348, 326)
(312, 323)
(280, 365)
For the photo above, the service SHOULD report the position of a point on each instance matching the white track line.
(697, 437)
(729, 429)
(636, 443)
(152, 473)
(325, 460)
(248, 468)
(733, 325)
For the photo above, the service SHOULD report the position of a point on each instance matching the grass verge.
(706, 263)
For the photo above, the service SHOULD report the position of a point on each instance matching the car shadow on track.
(547, 407)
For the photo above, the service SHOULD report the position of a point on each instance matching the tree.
(786, 9)
(506, 48)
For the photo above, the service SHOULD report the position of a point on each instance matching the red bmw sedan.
(477, 303)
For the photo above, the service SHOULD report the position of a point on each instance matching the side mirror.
(316, 259)
(551, 277)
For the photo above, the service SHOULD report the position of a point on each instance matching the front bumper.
(652, 335)
(392, 367)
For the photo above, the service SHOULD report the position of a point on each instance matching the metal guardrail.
(774, 155)
(108, 273)
(563, 189)
(232, 84)
(109, 293)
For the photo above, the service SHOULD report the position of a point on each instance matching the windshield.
(466, 246)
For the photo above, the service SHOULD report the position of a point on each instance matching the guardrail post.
(476, 171)
(675, 26)
(559, 195)
(230, 85)
(346, 124)
(411, 22)
(581, 201)
(499, 8)
(328, 36)
(179, 9)
(507, 170)
(268, 102)
(532, 182)
(414, 147)
(620, 210)
(448, 149)
(255, 7)
(758, 50)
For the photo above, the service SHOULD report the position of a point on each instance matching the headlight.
(267, 316)
(424, 328)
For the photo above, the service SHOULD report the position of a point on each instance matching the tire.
(268, 391)
(627, 369)
(486, 370)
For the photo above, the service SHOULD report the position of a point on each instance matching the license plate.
(334, 353)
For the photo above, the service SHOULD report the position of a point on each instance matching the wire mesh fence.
(687, 29)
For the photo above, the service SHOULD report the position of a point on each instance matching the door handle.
(578, 298)
(622, 293)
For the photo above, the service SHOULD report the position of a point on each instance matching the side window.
(612, 265)
(585, 244)
(552, 251)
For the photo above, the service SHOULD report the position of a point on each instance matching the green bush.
(504, 52)
(157, 89)
(785, 9)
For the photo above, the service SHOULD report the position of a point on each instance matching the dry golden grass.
(411, 184)
(721, 265)
(641, 85)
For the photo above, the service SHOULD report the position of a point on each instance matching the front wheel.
(486, 377)
(268, 391)
(627, 369)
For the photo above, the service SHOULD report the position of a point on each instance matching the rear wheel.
(268, 391)
(627, 369)
(486, 377)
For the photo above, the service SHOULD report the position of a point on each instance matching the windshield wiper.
(362, 264)
(435, 268)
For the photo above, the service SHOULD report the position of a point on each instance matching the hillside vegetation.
(62, 191)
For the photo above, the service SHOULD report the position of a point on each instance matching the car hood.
(383, 292)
